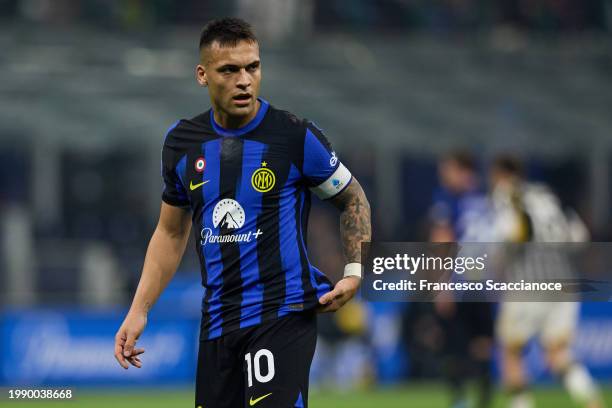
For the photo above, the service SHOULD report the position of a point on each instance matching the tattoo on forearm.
(355, 222)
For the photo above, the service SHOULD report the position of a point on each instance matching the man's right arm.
(163, 256)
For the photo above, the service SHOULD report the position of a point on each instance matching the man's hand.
(163, 256)
(344, 291)
(126, 338)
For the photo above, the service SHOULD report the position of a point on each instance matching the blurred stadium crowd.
(89, 87)
(545, 15)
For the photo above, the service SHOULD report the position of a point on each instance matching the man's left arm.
(355, 228)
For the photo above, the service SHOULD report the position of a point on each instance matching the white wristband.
(353, 269)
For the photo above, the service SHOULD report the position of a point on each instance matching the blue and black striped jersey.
(249, 193)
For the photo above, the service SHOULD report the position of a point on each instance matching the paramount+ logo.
(263, 179)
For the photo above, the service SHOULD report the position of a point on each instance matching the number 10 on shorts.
(254, 366)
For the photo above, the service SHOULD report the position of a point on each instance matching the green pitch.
(405, 397)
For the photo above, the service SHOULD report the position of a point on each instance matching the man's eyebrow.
(225, 66)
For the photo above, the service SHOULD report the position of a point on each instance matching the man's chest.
(251, 173)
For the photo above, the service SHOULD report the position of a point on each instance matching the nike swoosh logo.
(194, 186)
(255, 401)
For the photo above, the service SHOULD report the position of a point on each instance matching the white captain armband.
(334, 184)
(353, 269)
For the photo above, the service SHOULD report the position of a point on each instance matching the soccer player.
(241, 173)
(531, 212)
(459, 214)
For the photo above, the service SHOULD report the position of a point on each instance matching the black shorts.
(262, 366)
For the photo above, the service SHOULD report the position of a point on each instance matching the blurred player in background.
(458, 215)
(241, 173)
(531, 212)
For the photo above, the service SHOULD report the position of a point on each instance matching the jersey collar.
(263, 108)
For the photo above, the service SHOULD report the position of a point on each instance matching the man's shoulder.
(190, 130)
(289, 122)
(285, 120)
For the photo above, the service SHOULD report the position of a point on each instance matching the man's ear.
(201, 77)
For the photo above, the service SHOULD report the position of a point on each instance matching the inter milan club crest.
(200, 164)
(263, 179)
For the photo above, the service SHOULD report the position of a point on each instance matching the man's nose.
(244, 80)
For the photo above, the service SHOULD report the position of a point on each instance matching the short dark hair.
(227, 31)
(464, 159)
(508, 164)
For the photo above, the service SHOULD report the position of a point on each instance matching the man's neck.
(235, 122)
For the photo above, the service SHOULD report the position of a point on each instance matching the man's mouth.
(242, 99)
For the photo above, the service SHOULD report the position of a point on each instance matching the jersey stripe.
(231, 291)
(252, 295)
(180, 184)
(320, 281)
(317, 279)
(211, 327)
(290, 253)
(196, 200)
(302, 201)
(318, 163)
(268, 246)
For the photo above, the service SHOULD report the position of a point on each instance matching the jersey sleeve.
(325, 175)
(174, 190)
